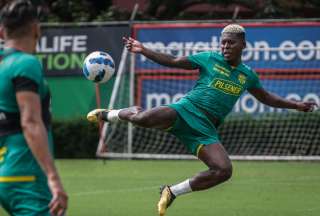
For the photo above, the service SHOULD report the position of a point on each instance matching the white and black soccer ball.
(98, 67)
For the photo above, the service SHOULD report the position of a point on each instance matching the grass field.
(121, 188)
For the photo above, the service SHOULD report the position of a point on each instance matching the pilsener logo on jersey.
(226, 86)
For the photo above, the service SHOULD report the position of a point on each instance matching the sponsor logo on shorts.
(227, 87)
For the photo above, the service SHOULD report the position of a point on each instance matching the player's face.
(231, 47)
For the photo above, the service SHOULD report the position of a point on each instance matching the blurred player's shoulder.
(23, 59)
(19, 63)
(18, 55)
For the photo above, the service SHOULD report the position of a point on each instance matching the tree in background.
(224, 9)
(96, 10)
(76, 10)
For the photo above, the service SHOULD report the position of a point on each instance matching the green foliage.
(72, 10)
(75, 138)
(176, 9)
(95, 10)
(112, 14)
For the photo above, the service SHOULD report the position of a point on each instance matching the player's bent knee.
(222, 173)
(225, 173)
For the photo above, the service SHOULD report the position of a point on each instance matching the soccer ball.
(98, 67)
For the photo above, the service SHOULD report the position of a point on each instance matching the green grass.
(121, 188)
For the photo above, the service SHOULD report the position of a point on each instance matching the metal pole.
(116, 85)
(131, 101)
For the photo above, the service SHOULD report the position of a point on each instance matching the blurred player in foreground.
(194, 119)
(29, 181)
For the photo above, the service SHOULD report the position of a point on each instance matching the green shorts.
(192, 126)
(23, 184)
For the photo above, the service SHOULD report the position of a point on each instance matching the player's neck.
(234, 63)
(22, 44)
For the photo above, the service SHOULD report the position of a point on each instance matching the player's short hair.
(234, 29)
(16, 15)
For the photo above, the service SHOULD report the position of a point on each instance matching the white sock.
(181, 188)
(113, 115)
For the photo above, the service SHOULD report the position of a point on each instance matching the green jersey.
(216, 91)
(18, 64)
(219, 85)
(17, 70)
(23, 184)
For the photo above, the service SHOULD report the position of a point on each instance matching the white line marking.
(114, 191)
(296, 181)
(308, 210)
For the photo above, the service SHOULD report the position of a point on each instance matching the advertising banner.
(163, 89)
(269, 40)
(62, 49)
(285, 55)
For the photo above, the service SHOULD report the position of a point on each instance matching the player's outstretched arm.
(279, 102)
(167, 60)
(37, 139)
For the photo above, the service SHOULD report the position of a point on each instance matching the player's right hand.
(132, 45)
(59, 201)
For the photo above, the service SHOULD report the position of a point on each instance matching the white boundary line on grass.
(246, 182)
(155, 187)
(309, 210)
(114, 191)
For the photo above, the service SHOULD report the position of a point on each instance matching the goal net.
(252, 131)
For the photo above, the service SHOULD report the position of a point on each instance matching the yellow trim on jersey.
(3, 151)
(17, 178)
(222, 68)
(198, 149)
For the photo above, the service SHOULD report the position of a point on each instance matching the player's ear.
(1, 32)
(38, 31)
(244, 43)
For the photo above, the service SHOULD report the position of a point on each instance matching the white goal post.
(252, 131)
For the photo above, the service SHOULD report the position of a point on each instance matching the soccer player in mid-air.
(29, 181)
(194, 119)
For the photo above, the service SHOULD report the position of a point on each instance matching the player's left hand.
(306, 106)
(59, 202)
